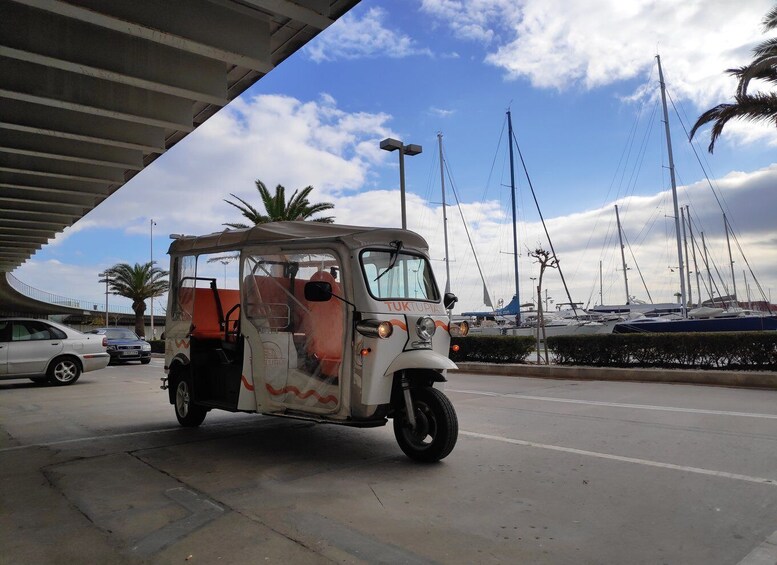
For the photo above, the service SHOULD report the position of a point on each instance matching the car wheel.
(64, 371)
(188, 413)
(145, 361)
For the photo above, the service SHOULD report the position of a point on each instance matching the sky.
(581, 83)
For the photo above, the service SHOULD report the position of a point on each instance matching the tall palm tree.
(138, 283)
(754, 107)
(277, 209)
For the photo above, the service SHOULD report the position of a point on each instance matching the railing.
(95, 306)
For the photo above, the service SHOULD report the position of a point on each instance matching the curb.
(754, 379)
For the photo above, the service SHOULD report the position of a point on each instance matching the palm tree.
(755, 107)
(138, 283)
(277, 209)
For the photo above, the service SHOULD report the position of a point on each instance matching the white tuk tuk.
(322, 322)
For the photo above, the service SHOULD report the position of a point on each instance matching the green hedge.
(723, 350)
(492, 349)
(157, 345)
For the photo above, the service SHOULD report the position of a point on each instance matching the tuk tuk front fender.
(419, 359)
(378, 391)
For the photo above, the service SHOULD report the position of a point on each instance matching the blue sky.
(580, 81)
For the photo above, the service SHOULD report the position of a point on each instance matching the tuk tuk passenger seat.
(208, 321)
(324, 325)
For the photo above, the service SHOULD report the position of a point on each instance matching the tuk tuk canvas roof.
(279, 232)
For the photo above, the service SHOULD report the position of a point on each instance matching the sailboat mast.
(601, 286)
(681, 268)
(623, 254)
(693, 248)
(687, 258)
(730, 259)
(444, 219)
(515, 221)
(707, 266)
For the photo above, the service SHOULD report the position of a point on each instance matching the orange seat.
(324, 326)
(206, 320)
(267, 297)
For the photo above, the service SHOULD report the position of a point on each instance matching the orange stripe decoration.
(301, 395)
(246, 384)
(399, 324)
(442, 325)
(182, 343)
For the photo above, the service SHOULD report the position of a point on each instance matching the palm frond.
(138, 283)
(764, 68)
(756, 107)
(277, 208)
(770, 20)
(768, 47)
(750, 107)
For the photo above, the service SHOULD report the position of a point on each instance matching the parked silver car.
(42, 350)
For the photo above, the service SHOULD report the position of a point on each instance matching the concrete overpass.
(93, 91)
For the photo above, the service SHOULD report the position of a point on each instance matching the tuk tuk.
(322, 322)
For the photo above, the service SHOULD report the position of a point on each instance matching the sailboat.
(699, 320)
(510, 320)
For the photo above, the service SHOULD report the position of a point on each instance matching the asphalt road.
(544, 471)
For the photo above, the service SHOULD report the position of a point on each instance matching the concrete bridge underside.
(93, 91)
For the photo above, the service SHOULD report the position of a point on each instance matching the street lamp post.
(390, 144)
(539, 316)
(107, 280)
(152, 224)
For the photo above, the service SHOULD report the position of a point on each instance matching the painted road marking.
(619, 405)
(354, 542)
(202, 511)
(646, 462)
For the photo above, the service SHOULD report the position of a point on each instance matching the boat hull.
(550, 331)
(744, 324)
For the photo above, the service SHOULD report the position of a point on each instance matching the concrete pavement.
(545, 471)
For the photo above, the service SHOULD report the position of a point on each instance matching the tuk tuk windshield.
(398, 274)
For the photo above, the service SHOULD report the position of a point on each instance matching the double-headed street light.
(152, 224)
(390, 144)
(106, 275)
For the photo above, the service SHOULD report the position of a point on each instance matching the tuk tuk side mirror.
(318, 291)
(449, 300)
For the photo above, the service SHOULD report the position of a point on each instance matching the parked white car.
(42, 350)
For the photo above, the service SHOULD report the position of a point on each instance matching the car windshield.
(120, 334)
(397, 274)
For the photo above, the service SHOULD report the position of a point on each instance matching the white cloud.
(649, 227)
(284, 140)
(352, 37)
(557, 44)
(277, 139)
(441, 112)
(478, 20)
(749, 197)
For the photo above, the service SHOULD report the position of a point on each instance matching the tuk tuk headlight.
(375, 328)
(459, 329)
(425, 328)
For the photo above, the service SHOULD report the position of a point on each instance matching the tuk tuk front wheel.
(188, 413)
(436, 429)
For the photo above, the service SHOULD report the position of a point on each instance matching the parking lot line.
(618, 404)
(645, 462)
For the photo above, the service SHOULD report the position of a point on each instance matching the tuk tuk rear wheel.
(188, 413)
(436, 430)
